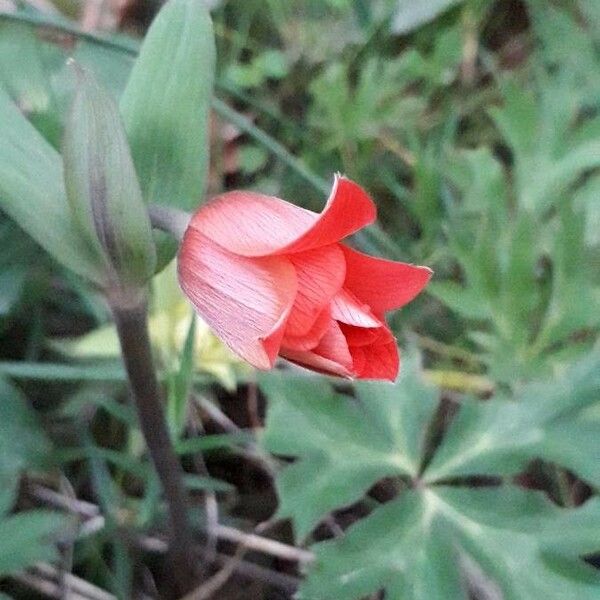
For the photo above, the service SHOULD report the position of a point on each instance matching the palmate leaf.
(548, 125)
(499, 437)
(527, 315)
(441, 536)
(346, 445)
(426, 545)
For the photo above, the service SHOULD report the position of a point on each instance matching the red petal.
(320, 273)
(361, 336)
(331, 355)
(381, 359)
(359, 359)
(347, 309)
(382, 284)
(252, 224)
(245, 300)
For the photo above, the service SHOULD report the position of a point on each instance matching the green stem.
(169, 219)
(131, 323)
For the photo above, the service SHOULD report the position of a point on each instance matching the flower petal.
(320, 273)
(382, 284)
(246, 301)
(330, 356)
(346, 308)
(361, 336)
(252, 224)
(381, 359)
(311, 338)
(359, 359)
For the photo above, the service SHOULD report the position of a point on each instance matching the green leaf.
(217, 441)
(32, 192)
(27, 538)
(22, 440)
(546, 420)
(586, 199)
(107, 371)
(26, 68)
(34, 72)
(410, 15)
(574, 303)
(202, 483)
(464, 301)
(252, 158)
(345, 445)
(8, 493)
(431, 544)
(165, 105)
(88, 398)
(179, 385)
(532, 284)
(436, 541)
(102, 186)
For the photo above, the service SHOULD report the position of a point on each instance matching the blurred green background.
(475, 126)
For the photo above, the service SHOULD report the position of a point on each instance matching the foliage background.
(475, 125)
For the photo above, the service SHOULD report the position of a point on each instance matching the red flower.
(273, 279)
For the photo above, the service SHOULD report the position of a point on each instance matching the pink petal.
(331, 355)
(382, 284)
(310, 339)
(318, 364)
(333, 346)
(252, 224)
(347, 309)
(320, 274)
(246, 301)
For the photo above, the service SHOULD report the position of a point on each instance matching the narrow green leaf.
(102, 186)
(105, 371)
(26, 67)
(410, 15)
(210, 484)
(179, 385)
(109, 371)
(166, 103)
(32, 192)
(218, 441)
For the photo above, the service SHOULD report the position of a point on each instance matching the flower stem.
(171, 220)
(131, 323)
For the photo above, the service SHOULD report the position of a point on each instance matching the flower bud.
(103, 190)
